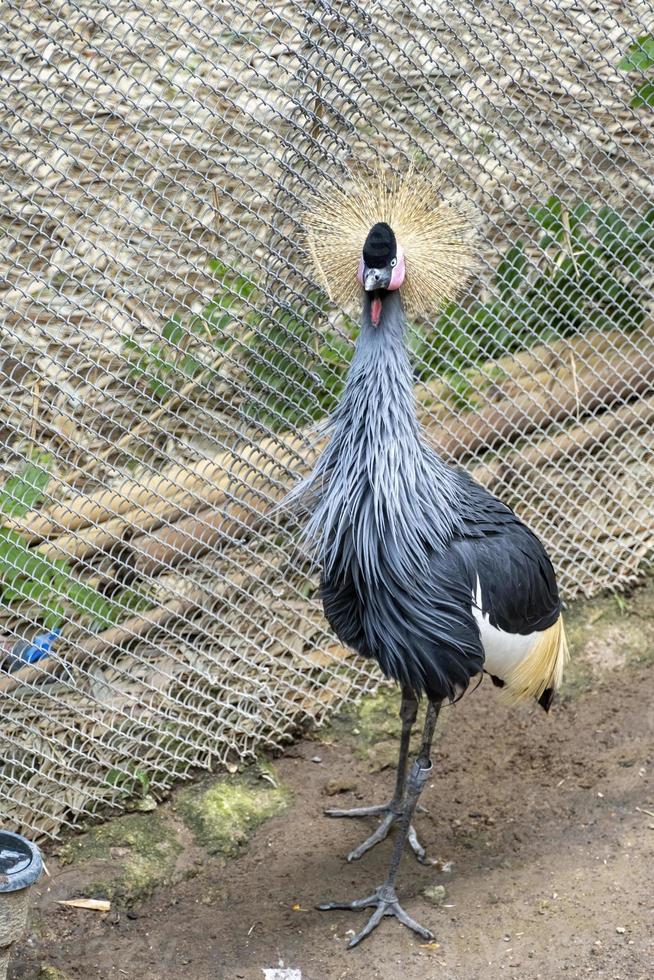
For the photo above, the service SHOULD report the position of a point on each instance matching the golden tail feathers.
(542, 668)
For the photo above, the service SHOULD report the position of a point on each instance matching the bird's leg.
(384, 900)
(390, 812)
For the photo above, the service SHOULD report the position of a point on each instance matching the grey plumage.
(365, 485)
(402, 538)
(422, 568)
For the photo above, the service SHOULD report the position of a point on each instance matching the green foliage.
(640, 58)
(296, 373)
(51, 589)
(130, 782)
(191, 350)
(48, 587)
(24, 489)
(291, 373)
(590, 276)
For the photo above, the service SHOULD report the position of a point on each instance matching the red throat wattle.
(375, 311)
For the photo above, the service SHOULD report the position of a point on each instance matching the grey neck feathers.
(378, 489)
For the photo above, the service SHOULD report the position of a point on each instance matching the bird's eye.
(393, 263)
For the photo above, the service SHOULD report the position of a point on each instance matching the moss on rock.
(139, 850)
(223, 812)
(372, 727)
(369, 724)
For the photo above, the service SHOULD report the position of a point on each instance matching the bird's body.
(422, 568)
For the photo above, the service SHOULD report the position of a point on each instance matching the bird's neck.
(378, 401)
(377, 482)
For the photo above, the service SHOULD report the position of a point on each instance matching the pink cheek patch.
(399, 271)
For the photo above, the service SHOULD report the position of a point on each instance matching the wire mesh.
(165, 356)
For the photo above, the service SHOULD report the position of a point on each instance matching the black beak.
(374, 279)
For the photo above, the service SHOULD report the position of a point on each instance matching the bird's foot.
(390, 814)
(384, 902)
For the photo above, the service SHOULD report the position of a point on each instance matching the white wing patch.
(503, 651)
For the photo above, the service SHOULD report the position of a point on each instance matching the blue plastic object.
(20, 862)
(23, 652)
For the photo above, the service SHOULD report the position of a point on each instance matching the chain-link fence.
(165, 357)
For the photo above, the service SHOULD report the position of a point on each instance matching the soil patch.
(542, 826)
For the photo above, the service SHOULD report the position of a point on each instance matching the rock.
(382, 755)
(340, 784)
(147, 804)
(225, 811)
(435, 894)
(134, 854)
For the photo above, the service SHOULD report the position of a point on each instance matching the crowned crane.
(422, 568)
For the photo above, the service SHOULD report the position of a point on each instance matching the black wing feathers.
(420, 628)
(518, 585)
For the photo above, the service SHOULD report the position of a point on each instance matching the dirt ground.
(543, 827)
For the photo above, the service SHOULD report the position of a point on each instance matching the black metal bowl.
(20, 862)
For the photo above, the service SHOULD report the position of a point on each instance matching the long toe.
(359, 811)
(377, 835)
(384, 901)
(390, 815)
(371, 924)
(357, 903)
(416, 846)
(410, 923)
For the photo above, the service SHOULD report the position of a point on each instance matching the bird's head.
(381, 267)
(396, 229)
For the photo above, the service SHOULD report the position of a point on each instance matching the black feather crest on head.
(380, 247)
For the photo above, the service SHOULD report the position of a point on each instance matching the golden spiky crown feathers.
(437, 235)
